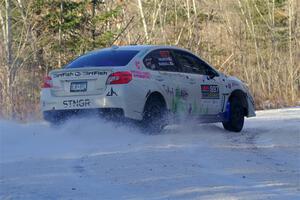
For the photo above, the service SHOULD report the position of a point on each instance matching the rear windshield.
(103, 58)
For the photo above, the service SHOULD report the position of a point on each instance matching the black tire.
(155, 115)
(56, 122)
(235, 121)
(55, 118)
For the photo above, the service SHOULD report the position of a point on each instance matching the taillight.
(119, 78)
(47, 82)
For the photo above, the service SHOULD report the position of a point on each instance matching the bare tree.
(7, 36)
(143, 20)
(258, 41)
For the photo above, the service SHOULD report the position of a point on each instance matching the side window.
(192, 64)
(207, 69)
(161, 60)
(189, 63)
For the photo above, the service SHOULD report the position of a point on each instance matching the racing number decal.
(210, 92)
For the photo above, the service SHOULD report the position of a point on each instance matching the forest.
(256, 40)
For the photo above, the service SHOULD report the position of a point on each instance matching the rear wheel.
(54, 118)
(155, 115)
(235, 120)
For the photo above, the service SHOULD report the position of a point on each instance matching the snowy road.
(88, 159)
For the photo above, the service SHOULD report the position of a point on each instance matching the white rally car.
(146, 83)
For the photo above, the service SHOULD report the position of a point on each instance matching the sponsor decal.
(164, 54)
(141, 74)
(77, 74)
(162, 64)
(234, 84)
(182, 93)
(178, 92)
(169, 90)
(78, 103)
(179, 97)
(165, 59)
(138, 65)
(111, 93)
(210, 92)
(181, 103)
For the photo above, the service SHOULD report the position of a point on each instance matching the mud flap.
(227, 112)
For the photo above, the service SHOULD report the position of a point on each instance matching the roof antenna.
(137, 40)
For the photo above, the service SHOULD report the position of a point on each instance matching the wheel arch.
(155, 94)
(242, 96)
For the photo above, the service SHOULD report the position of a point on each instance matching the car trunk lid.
(79, 81)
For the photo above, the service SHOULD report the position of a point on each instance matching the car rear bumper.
(50, 102)
(112, 98)
(58, 116)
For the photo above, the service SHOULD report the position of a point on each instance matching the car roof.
(140, 47)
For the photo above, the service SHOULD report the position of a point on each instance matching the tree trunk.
(143, 20)
(8, 50)
(291, 66)
(8, 34)
(60, 34)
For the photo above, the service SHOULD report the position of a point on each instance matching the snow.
(94, 159)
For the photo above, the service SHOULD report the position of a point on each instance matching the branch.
(2, 25)
(124, 29)
(22, 10)
(221, 67)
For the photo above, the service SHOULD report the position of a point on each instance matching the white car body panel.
(132, 97)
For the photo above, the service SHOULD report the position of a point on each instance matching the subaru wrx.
(146, 83)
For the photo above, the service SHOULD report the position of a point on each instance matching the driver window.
(207, 70)
(191, 64)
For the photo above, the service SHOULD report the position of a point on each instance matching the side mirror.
(211, 74)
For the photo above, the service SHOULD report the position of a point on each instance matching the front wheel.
(154, 118)
(235, 118)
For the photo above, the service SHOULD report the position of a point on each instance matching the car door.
(165, 74)
(188, 80)
(206, 97)
(212, 87)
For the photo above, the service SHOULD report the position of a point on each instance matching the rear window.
(103, 58)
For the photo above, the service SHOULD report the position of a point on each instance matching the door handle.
(159, 79)
(192, 82)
